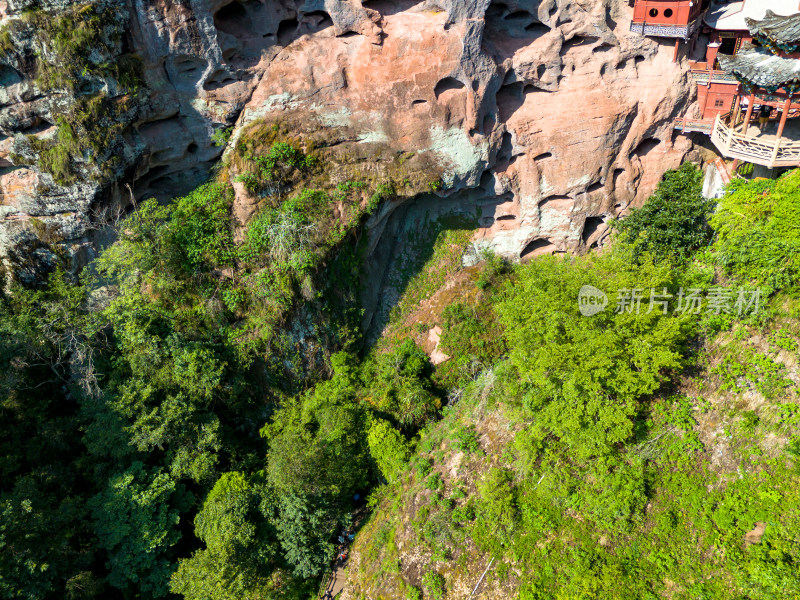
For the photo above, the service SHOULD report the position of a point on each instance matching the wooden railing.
(770, 154)
(687, 125)
(706, 76)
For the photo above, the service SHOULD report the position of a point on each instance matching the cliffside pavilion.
(749, 79)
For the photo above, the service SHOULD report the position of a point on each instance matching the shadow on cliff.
(419, 244)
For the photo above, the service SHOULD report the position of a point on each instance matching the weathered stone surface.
(548, 116)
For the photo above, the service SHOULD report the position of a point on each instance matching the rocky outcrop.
(546, 117)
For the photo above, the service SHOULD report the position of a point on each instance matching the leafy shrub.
(466, 439)
(673, 223)
(221, 136)
(758, 231)
(413, 593)
(201, 226)
(272, 172)
(583, 377)
(388, 448)
(401, 386)
(739, 370)
(136, 519)
(497, 511)
(434, 585)
(473, 338)
(434, 481)
(240, 543)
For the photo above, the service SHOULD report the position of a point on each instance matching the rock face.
(545, 116)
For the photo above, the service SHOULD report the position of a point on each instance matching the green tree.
(758, 231)
(584, 377)
(242, 556)
(136, 520)
(46, 541)
(400, 386)
(388, 448)
(673, 223)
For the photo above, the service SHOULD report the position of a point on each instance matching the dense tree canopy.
(197, 415)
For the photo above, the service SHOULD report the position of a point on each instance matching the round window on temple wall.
(668, 13)
(653, 12)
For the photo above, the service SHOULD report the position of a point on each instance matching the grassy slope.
(721, 509)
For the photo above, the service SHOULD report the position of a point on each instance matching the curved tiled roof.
(731, 16)
(759, 67)
(778, 29)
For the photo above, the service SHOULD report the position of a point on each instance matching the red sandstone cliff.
(547, 116)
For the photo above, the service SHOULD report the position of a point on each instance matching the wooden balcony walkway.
(761, 149)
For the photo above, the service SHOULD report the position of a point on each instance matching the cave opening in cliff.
(646, 146)
(512, 96)
(317, 20)
(446, 87)
(232, 19)
(185, 71)
(590, 227)
(9, 76)
(287, 30)
(249, 20)
(507, 31)
(537, 247)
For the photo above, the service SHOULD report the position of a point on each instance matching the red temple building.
(747, 71)
(667, 18)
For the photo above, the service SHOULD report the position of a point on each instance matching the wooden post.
(784, 116)
(781, 127)
(677, 45)
(752, 101)
(737, 110)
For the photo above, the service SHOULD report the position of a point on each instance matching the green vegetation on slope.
(624, 455)
(196, 418)
(158, 374)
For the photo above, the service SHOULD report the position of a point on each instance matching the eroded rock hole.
(448, 84)
(543, 156)
(390, 7)
(518, 15)
(537, 247)
(287, 29)
(578, 40)
(604, 47)
(232, 19)
(488, 124)
(187, 71)
(9, 76)
(556, 198)
(506, 152)
(218, 79)
(537, 29)
(507, 31)
(510, 99)
(487, 181)
(590, 227)
(36, 125)
(646, 147)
